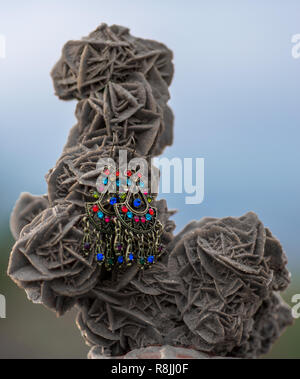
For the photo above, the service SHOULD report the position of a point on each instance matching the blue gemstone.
(129, 214)
(137, 203)
(105, 181)
(118, 182)
(129, 182)
(150, 259)
(148, 217)
(113, 200)
(142, 184)
(131, 256)
(100, 214)
(100, 257)
(120, 259)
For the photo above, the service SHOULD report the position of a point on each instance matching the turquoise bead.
(100, 214)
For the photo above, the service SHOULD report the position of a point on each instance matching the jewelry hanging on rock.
(121, 227)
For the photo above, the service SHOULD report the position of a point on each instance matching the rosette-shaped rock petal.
(269, 321)
(126, 110)
(46, 260)
(130, 311)
(226, 270)
(25, 210)
(109, 54)
(122, 82)
(74, 175)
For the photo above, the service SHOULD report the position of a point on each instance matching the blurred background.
(235, 96)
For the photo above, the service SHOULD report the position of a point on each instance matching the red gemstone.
(106, 172)
(95, 208)
(124, 209)
(129, 173)
(139, 175)
(151, 212)
(118, 173)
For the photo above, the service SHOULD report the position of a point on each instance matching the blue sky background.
(235, 95)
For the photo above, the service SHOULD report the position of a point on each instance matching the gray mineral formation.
(215, 290)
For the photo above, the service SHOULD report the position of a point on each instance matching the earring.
(121, 226)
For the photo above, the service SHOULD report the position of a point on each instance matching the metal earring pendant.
(121, 228)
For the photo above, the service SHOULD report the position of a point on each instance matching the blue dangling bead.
(150, 259)
(137, 203)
